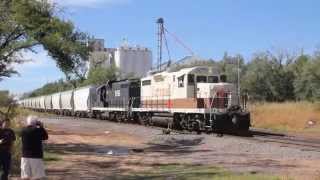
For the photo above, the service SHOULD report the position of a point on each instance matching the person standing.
(32, 166)
(7, 138)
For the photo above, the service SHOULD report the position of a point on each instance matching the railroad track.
(258, 135)
(266, 136)
(306, 144)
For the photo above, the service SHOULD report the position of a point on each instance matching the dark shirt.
(32, 137)
(8, 137)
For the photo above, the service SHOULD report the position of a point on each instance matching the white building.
(128, 59)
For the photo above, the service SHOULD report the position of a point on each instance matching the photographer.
(32, 166)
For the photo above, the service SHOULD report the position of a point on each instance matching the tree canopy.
(28, 23)
(100, 75)
(307, 82)
(268, 78)
(50, 88)
(7, 104)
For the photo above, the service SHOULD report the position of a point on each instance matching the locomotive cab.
(212, 91)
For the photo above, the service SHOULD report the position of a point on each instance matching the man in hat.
(32, 166)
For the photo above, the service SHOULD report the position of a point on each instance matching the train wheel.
(196, 127)
(90, 115)
(184, 124)
(118, 117)
(112, 117)
(97, 115)
(177, 122)
(144, 119)
(135, 118)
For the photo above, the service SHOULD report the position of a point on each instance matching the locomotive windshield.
(205, 79)
(213, 79)
(191, 79)
(201, 79)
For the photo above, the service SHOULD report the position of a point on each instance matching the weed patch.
(48, 156)
(288, 116)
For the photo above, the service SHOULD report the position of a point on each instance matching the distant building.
(128, 59)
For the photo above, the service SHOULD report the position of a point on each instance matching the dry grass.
(288, 116)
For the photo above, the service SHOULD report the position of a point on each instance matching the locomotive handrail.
(155, 102)
(210, 115)
(132, 102)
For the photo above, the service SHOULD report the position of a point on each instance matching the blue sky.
(208, 27)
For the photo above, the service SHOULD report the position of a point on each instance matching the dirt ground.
(92, 150)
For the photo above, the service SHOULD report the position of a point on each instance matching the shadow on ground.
(86, 149)
(171, 146)
(176, 147)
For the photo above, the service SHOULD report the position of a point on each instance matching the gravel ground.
(234, 153)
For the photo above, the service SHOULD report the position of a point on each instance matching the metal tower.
(160, 22)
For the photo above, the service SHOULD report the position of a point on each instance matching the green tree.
(307, 84)
(28, 23)
(267, 77)
(100, 75)
(7, 106)
(51, 88)
(229, 66)
(4, 98)
(298, 65)
(256, 80)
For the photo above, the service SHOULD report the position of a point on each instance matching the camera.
(38, 124)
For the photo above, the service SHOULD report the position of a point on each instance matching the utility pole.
(160, 22)
(239, 95)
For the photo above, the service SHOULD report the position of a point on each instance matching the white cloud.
(39, 70)
(89, 3)
(35, 60)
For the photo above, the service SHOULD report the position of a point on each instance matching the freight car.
(195, 99)
(41, 104)
(56, 105)
(82, 102)
(66, 103)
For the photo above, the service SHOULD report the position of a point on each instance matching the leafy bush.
(16, 150)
